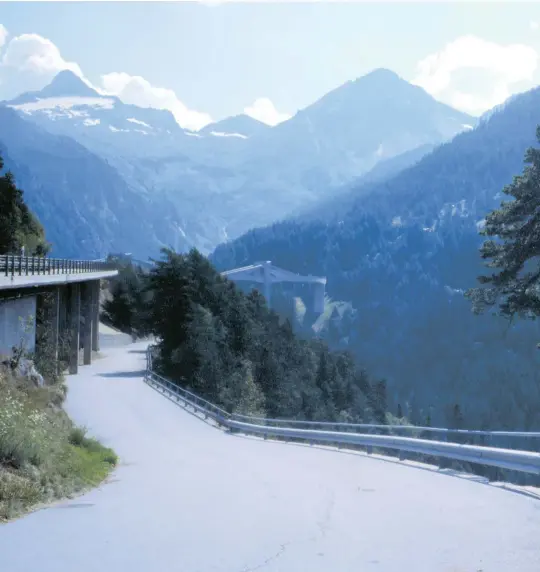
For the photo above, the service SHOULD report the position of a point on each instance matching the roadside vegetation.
(43, 455)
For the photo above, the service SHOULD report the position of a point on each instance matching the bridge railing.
(14, 265)
(365, 435)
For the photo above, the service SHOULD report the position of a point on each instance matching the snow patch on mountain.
(64, 103)
(116, 130)
(138, 122)
(222, 134)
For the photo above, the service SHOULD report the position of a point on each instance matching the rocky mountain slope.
(403, 253)
(238, 174)
(86, 206)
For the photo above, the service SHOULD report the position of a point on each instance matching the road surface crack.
(270, 559)
(324, 524)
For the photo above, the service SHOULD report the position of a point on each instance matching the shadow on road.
(138, 373)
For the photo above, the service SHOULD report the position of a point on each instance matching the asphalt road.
(188, 497)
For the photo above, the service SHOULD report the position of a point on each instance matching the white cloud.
(534, 25)
(474, 75)
(3, 35)
(35, 54)
(29, 62)
(138, 91)
(263, 110)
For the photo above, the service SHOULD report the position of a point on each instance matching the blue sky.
(209, 61)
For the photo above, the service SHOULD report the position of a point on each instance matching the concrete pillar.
(87, 303)
(54, 323)
(267, 283)
(95, 315)
(74, 326)
(63, 323)
(318, 297)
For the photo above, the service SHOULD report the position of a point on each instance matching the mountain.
(349, 130)
(344, 197)
(65, 83)
(242, 126)
(238, 173)
(68, 106)
(86, 206)
(403, 254)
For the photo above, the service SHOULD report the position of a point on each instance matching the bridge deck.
(36, 280)
(188, 498)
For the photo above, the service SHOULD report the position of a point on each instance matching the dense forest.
(230, 348)
(402, 253)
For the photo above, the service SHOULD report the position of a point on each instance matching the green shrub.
(43, 456)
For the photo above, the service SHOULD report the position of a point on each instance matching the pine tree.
(18, 226)
(515, 285)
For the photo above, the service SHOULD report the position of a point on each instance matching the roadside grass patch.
(43, 456)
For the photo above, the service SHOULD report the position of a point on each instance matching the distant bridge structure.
(268, 274)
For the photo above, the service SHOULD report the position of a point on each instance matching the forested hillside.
(103, 163)
(19, 227)
(403, 254)
(230, 348)
(84, 203)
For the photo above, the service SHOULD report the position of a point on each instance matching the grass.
(43, 456)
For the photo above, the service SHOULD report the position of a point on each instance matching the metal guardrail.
(13, 265)
(359, 434)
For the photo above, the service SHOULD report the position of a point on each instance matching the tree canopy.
(514, 285)
(18, 225)
(232, 349)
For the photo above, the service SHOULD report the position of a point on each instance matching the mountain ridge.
(403, 254)
(221, 181)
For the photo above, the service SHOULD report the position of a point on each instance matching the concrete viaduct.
(62, 294)
(267, 274)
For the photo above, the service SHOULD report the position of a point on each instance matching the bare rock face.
(27, 370)
(24, 371)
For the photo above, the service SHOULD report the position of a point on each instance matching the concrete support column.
(63, 323)
(95, 314)
(87, 303)
(74, 326)
(267, 283)
(54, 324)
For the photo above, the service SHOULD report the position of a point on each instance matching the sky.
(205, 61)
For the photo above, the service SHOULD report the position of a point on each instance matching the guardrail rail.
(13, 265)
(363, 435)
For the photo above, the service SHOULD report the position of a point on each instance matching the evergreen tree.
(18, 226)
(515, 284)
(233, 350)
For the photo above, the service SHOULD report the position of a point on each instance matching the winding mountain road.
(190, 498)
